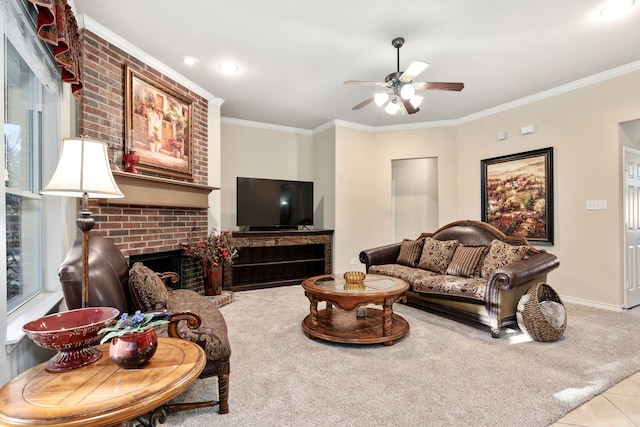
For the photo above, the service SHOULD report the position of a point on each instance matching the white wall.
(324, 177)
(250, 150)
(214, 177)
(583, 127)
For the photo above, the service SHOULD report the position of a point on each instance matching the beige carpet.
(444, 373)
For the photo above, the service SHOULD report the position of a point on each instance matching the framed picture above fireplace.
(158, 124)
(517, 194)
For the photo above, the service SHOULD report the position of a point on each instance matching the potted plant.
(213, 253)
(133, 339)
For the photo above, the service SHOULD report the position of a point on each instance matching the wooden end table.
(352, 324)
(100, 393)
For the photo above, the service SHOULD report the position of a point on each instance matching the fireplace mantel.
(153, 191)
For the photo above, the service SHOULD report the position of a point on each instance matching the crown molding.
(421, 125)
(267, 126)
(86, 22)
(578, 84)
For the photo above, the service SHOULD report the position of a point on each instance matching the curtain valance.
(57, 27)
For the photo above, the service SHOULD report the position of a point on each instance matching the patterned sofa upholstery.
(114, 284)
(467, 268)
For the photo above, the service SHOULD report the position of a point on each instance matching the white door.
(632, 227)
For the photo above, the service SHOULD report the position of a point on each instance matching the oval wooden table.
(352, 324)
(101, 394)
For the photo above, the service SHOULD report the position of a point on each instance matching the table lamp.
(83, 171)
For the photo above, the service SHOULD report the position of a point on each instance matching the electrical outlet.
(593, 205)
(354, 261)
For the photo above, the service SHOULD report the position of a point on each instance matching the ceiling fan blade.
(361, 83)
(363, 104)
(414, 69)
(408, 107)
(439, 86)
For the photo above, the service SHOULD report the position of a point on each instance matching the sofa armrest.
(522, 272)
(387, 254)
(193, 321)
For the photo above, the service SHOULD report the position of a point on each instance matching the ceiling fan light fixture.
(392, 107)
(416, 100)
(407, 91)
(616, 8)
(380, 98)
(399, 95)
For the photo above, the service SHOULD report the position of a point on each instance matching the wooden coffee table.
(100, 393)
(353, 324)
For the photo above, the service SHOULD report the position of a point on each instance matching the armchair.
(113, 283)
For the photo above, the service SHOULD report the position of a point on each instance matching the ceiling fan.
(399, 95)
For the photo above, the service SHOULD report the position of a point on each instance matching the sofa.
(467, 269)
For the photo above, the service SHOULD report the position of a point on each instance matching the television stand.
(278, 258)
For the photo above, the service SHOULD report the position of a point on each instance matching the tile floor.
(619, 406)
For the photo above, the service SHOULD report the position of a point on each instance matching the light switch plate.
(596, 205)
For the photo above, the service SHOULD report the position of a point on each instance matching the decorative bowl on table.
(71, 333)
(354, 280)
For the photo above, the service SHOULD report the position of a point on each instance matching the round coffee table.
(352, 324)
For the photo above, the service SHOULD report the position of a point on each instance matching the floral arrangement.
(175, 144)
(139, 322)
(213, 251)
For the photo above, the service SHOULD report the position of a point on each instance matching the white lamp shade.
(83, 167)
(380, 98)
(407, 91)
(392, 108)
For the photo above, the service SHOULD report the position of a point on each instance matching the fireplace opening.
(162, 262)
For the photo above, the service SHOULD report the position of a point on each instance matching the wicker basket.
(530, 317)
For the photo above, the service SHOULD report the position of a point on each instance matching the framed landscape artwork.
(158, 125)
(517, 194)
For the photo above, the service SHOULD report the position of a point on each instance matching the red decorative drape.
(57, 26)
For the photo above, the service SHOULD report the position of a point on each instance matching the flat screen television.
(272, 204)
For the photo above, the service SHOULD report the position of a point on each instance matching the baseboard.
(592, 303)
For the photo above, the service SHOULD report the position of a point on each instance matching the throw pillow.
(437, 254)
(464, 261)
(410, 251)
(147, 289)
(500, 255)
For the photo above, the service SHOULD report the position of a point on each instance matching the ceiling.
(295, 55)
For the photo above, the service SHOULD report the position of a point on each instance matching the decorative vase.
(133, 351)
(213, 280)
(131, 159)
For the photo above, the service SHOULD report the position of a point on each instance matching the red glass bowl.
(71, 333)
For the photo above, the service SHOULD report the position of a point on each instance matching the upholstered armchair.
(113, 283)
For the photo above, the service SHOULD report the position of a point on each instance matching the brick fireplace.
(161, 214)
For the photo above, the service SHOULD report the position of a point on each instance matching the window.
(23, 126)
(31, 119)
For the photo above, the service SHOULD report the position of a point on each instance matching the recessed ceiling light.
(229, 68)
(616, 8)
(189, 60)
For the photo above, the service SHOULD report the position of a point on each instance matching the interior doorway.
(414, 195)
(631, 212)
